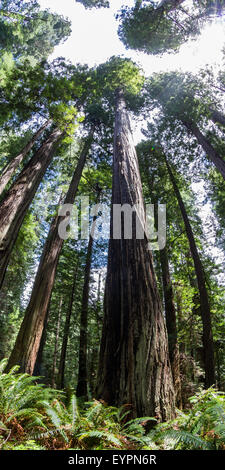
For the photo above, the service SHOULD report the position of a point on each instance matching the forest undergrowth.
(36, 417)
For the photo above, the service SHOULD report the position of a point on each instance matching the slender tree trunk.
(134, 365)
(210, 151)
(62, 361)
(171, 325)
(94, 354)
(38, 368)
(11, 167)
(219, 384)
(204, 301)
(14, 206)
(217, 117)
(178, 297)
(28, 340)
(56, 343)
(82, 381)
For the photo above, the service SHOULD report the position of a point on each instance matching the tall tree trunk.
(28, 340)
(14, 206)
(56, 343)
(82, 381)
(11, 167)
(217, 117)
(204, 301)
(170, 312)
(210, 151)
(62, 361)
(134, 362)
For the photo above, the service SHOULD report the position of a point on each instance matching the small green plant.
(202, 428)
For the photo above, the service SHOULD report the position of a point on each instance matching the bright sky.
(94, 39)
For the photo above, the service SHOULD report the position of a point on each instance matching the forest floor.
(35, 417)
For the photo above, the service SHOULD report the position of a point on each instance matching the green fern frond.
(187, 439)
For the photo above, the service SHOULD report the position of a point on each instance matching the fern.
(39, 419)
(185, 439)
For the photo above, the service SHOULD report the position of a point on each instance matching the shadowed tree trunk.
(82, 381)
(204, 301)
(56, 343)
(11, 167)
(134, 365)
(14, 206)
(171, 324)
(62, 360)
(28, 340)
(210, 151)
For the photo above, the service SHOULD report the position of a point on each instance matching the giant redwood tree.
(27, 344)
(134, 365)
(17, 200)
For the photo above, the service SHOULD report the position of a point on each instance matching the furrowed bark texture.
(204, 300)
(28, 340)
(170, 4)
(62, 360)
(14, 206)
(134, 365)
(10, 169)
(209, 150)
(171, 325)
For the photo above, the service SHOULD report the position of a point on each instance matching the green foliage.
(202, 428)
(27, 31)
(33, 417)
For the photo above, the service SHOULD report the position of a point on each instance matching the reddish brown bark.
(28, 339)
(10, 169)
(134, 365)
(14, 206)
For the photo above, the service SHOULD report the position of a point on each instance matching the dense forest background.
(121, 336)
